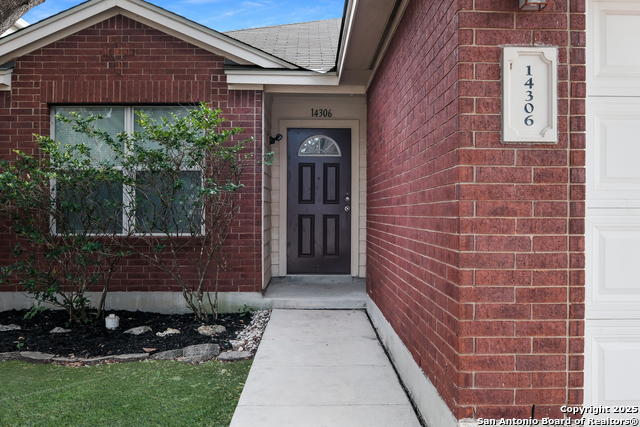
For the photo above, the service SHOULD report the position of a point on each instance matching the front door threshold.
(342, 279)
(316, 292)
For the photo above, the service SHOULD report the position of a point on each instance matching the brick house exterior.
(473, 249)
(122, 62)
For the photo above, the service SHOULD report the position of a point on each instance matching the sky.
(223, 15)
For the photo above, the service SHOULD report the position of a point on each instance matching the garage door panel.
(613, 151)
(611, 371)
(613, 282)
(612, 315)
(615, 61)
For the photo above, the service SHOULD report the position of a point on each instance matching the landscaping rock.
(14, 355)
(12, 327)
(121, 358)
(211, 330)
(63, 360)
(200, 353)
(168, 355)
(238, 345)
(233, 356)
(242, 346)
(169, 331)
(36, 357)
(252, 334)
(131, 357)
(95, 360)
(139, 330)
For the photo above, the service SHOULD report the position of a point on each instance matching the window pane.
(89, 208)
(319, 145)
(112, 121)
(166, 202)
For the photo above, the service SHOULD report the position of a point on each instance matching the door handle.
(347, 208)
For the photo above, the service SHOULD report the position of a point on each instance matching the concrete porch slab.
(315, 292)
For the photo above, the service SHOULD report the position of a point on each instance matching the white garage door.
(612, 346)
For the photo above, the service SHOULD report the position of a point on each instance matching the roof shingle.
(311, 45)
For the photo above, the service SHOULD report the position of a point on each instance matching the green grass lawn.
(150, 393)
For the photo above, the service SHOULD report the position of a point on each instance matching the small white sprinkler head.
(112, 321)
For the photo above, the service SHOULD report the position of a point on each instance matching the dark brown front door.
(319, 201)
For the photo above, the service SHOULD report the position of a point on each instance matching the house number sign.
(321, 112)
(530, 94)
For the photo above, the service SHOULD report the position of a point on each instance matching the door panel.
(614, 63)
(319, 201)
(613, 284)
(613, 147)
(612, 373)
(306, 187)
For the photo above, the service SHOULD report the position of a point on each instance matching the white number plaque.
(530, 94)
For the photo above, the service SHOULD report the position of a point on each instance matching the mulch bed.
(94, 339)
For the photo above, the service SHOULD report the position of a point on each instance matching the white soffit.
(92, 12)
(368, 30)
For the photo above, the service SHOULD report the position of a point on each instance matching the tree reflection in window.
(319, 145)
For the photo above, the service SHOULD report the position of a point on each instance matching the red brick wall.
(475, 247)
(120, 61)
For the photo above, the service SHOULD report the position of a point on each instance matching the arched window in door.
(319, 145)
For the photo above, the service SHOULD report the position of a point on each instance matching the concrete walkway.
(322, 368)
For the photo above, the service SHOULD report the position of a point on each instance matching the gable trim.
(90, 13)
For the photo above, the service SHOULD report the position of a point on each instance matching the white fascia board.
(346, 33)
(306, 89)
(283, 77)
(5, 79)
(90, 13)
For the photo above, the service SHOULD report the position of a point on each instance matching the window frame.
(128, 219)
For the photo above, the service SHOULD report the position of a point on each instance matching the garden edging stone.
(36, 357)
(192, 354)
(243, 348)
(14, 355)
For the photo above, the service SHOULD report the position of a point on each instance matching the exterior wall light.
(533, 4)
(273, 139)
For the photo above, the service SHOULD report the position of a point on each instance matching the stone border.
(244, 347)
(192, 354)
